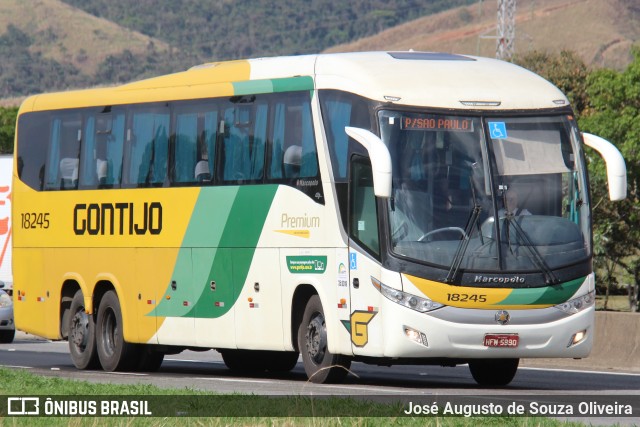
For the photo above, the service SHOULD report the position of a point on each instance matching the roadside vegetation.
(22, 383)
(118, 41)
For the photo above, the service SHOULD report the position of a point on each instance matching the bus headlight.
(411, 301)
(576, 305)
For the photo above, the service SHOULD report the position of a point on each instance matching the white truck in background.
(6, 276)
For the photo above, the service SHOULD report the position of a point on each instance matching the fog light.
(416, 336)
(577, 338)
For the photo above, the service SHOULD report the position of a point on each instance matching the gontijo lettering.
(117, 218)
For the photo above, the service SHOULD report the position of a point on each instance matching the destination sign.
(436, 123)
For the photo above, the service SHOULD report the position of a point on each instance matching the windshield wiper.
(464, 243)
(538, 260)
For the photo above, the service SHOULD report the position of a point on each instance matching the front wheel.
(114, 352)
(320, 365)
(82, 335)
(493, 372)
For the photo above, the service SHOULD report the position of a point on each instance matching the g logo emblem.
(502, 317)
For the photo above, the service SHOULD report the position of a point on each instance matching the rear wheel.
(493, 372)
(6, 336)
(320, 365)
(82, 335)
(114, 353)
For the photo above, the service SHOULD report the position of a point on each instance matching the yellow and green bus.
(341, 207)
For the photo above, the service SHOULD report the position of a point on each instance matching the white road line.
(343, 387)
(136, 374)
(235, 380)
(577, 371)
(16, 366)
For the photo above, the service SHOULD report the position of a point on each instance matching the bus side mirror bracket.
(616, 168)
(380, 159)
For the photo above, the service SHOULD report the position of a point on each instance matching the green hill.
(601, 32)
(58, 44)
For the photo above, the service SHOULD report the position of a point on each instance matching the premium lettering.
(299, 221)
(117, 218)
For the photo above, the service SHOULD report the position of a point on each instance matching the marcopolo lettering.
(498, 279)
(117, 218)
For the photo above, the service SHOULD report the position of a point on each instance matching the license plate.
(501, 340)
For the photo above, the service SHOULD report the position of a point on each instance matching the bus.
(6, 277)
(333, 207)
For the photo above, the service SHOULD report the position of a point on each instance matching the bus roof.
(436, 80)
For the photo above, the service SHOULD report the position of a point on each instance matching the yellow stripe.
(465, 297)
(214, 81)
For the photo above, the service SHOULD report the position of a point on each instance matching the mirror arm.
(616, 168)
(380, 159)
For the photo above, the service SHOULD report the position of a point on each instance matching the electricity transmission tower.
(506, 29)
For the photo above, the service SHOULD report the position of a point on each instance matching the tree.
(565, 70)
(7, 129)
(614, 114)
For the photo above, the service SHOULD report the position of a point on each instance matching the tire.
(493, 372)
(6, 336)
(82, 335)
(149, 360)
(320, 365)
(114, 353)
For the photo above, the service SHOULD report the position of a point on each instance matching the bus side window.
(64, 151)
(293, 151)
(109, 168)
(88, 154)
(243, 143)
(363, 212)
(185, 147)
(194, 137)
(148, 149)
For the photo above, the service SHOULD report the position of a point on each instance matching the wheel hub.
(79, 329)
(317, 339)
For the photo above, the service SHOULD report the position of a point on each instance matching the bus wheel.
(149, 360)
(281, 361)
(320, 365)
(115, 354)
(82, 335)
(493, 372)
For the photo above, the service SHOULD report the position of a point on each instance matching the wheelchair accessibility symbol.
(498, 130)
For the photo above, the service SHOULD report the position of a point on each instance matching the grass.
(287, 408)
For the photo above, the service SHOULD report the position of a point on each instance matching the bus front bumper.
(408, 333)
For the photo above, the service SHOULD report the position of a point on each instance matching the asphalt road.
(206, 371)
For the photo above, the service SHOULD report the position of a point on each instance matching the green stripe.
(548, 295)
(219, 246)
(292, 84)
(289, 84)
(250, 87)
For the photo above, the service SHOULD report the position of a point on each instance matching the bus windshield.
(487, 193)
